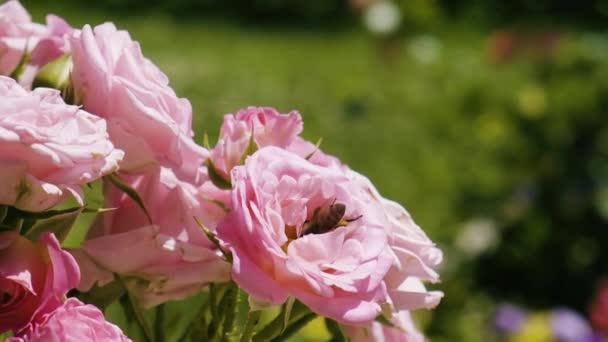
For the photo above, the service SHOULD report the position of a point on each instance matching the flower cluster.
(263, 209)
(560, 324)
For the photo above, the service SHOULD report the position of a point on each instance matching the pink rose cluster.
(263, 208)
(35, 277)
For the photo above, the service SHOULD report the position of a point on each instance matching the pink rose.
(415, 256)
(73, 321)
(269, 128)
(47, 148)
(18, 32)
(284, 237)
(34, 278)
(403, 331)
(171, 253)
(146, 119)
(53, 43)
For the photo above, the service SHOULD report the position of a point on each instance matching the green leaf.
(337, 335)
(211, 236)
(216, 178)
(317, 145)
(253, 318)
(127, 189)
(101, 297)
(60, 224)
(249, 150)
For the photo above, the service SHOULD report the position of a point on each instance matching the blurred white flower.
(382, 17)
(477, 236)
(425, 48)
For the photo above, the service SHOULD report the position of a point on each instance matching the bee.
(327, 218)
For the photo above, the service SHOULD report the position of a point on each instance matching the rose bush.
(47, 148)
(264, 209)
(112, 79)
(170, 251)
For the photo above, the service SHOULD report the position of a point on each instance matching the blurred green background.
(485, 119)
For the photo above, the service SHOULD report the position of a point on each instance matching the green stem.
(252, 321)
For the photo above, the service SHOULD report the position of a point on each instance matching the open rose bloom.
(146, 119)
(287, 240)
(47, 148)
(264, 214)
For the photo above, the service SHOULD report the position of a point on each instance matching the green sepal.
(211, 236)
(59, 224)
(317, 145)
(249, 150)
(217, 202)
(216, 178)
(206, 141)
(385, 321)
(127, 189)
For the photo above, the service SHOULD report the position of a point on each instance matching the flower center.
(324, 219)
(5, 298)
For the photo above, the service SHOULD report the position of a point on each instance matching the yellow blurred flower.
(536, 329)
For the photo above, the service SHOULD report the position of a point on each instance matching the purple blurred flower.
(509, 318)
(569, 326)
